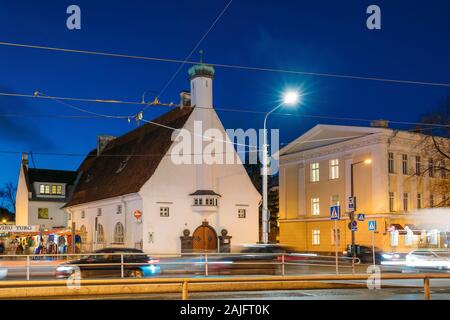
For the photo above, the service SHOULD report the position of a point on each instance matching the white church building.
(134, 192)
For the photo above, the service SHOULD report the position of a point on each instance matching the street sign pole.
(336, 246)
(335, 214)
(373, 227)
(373, 246)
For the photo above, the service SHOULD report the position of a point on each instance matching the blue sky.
(315, 35)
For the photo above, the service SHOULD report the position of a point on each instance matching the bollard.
(184, 291)
(28, 267)
(121, 266)
(426, 288)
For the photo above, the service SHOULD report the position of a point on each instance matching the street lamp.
(289, 98)
(352, 213)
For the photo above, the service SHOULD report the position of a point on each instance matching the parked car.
(427, 259)
(106, 263)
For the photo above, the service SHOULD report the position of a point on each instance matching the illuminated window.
(334, 169)
(335, 200)
(316, 237)
(419, 201)
(315, 175)
(394, 238)
(44, 189)
(315, 206)
(409, 237)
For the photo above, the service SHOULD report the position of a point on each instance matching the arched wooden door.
(205, 239)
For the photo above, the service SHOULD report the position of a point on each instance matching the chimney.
(380, 123)
(102, 142)
(185, 99)
(25, 159)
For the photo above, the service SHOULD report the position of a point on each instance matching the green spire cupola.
(201, 70)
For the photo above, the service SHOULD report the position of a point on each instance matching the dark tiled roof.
(55, 176)
(127, 162)
(205, 193)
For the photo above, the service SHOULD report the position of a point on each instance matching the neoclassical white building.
(133, 193)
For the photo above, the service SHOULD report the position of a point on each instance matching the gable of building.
(127, 162)
(324, 135)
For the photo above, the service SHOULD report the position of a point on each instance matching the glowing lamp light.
(368, 161)
(291, 98)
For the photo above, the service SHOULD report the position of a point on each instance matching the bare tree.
(435, 146)
(8, 195)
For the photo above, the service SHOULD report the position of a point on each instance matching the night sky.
(315, 35)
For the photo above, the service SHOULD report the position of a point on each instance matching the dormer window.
(48, 189)
(205, 200)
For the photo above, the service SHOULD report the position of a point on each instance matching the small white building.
(132, 193)
(41, 194)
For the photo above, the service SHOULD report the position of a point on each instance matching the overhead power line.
(233, 66)
(235, 109)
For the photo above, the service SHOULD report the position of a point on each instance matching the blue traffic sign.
(372, 225)
(361, 217)
(335, 212)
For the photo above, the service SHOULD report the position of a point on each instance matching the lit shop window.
(394, 238)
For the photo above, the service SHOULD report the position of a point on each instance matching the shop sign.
(18, 229)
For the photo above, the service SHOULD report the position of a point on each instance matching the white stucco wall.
(56, 216)
(171, 185)
(22, 200)
(108, 219)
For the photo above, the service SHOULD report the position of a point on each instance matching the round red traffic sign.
(137, 214)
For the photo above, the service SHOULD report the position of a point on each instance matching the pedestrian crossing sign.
(335, 212)
(372, 225)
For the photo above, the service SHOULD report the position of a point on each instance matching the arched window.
(118, 233)
(83, 234)
(100, 234)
